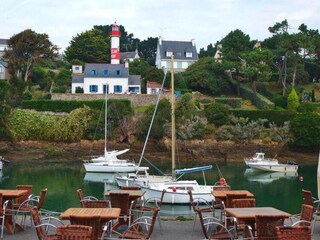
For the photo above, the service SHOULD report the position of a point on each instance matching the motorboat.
(259, 159)
(109, 162)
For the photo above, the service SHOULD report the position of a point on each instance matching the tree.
(148, 50)
(24, 49)
(210, 52)
(233, 46)
(4, 109)
(293, 100)
(88, 47)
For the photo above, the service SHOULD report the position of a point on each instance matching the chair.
(151, 204)
(265, 227)
(293, 233)
(74, 232)
(141, 228)
(213, 228)
(44, 227)
(86, 198)
(4, 206)
(131, 187)
(243, 203)
(308, 199)
(231, 196)
(25, 207)
(305, 218)
(24, 197)
(122, 201)
(92, 221)
(97, 204)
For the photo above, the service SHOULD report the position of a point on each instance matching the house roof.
(101, 67)
(4, 41)
(3, 63)
(77, 78)
(179, 48)
(127, 55)
(134, 80)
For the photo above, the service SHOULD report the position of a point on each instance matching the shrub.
(217, 114)
(293, 100)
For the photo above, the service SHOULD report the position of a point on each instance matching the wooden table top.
(250, 213)
(132, 193)
(104, 213)
(223, 194)
(12, 193)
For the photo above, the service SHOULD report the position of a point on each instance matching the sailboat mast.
(173, 127)
(105, 121)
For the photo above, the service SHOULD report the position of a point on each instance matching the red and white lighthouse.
(115, 44)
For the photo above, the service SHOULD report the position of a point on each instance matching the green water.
(63, 179)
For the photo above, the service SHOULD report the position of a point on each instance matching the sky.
(205, 21)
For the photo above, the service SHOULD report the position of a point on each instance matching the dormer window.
(117, 72)
(93, 72)
(179, 54)
(189, 54)
(168, 53)
(106, 72)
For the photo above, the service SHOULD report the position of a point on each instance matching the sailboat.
(109, 162)
(176, 190)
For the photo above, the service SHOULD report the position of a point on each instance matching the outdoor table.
(105, 214)
(248, 214)
(11, 194)
(222, 195)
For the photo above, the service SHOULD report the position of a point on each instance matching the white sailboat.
(109, 162)
(176, 190)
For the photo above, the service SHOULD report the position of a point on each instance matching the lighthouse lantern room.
(115, 44)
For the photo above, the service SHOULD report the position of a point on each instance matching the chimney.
(126, 63)
(193, 42)
(160, 40)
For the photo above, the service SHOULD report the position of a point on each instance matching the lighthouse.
(115, 44)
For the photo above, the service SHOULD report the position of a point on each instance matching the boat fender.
(301, 179)
(223, 181)
(174, 189)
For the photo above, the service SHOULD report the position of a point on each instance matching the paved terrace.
(172, 229)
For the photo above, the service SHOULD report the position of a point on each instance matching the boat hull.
(276, 168)
(143, 182)
(105, 167)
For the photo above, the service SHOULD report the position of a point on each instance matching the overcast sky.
(206, 21)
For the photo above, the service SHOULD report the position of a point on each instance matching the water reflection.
(267, 177)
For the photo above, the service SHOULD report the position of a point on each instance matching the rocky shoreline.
(197, 151)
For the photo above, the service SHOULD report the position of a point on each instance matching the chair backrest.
(231, 196)
(221, 188)
(96, 204)
(74, 232)
(295, 232)
(24, 197)
(307, 197)
(266, 226)
(80, 195)
(306, 213)
(243, 203)
(41, 198)
(153, 221)
(122, 201)
(1, 202)
(131, 187)
(92, 221)
(161, 198)
(37, 222)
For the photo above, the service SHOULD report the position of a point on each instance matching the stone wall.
(136, 99)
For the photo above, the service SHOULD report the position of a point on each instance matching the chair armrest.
(86, 198)
(247, 232)
(49, 220)
(302, 221)
(214, 222)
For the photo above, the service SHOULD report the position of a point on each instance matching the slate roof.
(127, 55)
(134, 80)
(3, 63)
(4, 41)
(101, 67)
(179, 48)
(77, 78)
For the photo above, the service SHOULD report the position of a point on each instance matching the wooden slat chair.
(293, 233)
(25, 207)
(97, 204)
(305, 218)
(310, 200)
(265, 227)
(84, 198)
(231, 196)
(243, 203)
(142, 227)
(92, 221)
(24, 197)
(74, 232)
(45, 227)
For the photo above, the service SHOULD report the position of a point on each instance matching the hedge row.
(277, 117)
(232, 102)
(68, 106)
(260, 101)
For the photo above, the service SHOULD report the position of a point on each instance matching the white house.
(185, 54)
(155, 88)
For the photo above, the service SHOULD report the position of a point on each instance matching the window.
(189, 54)
(76, 68)
(179, 64)
(179, 54)
(117, 73)
(93, 88)
(106, 72)
(134, 89)
(117, 88)
(168, 54)
(93, 72)
(169, 64)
